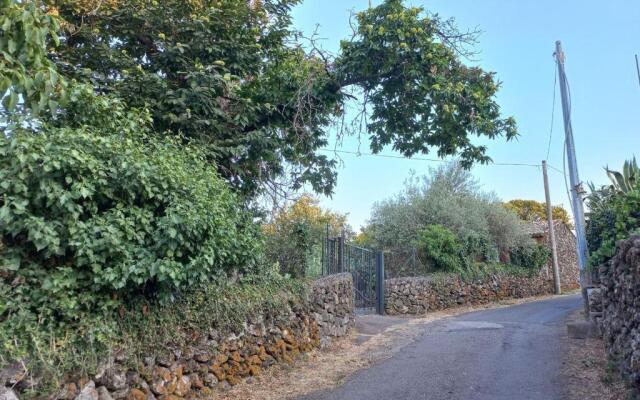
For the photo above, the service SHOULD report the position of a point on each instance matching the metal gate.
(365, 265)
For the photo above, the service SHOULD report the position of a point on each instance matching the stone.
(149, 361)
(196, 381)
(69, 391)
(210, 380)
(136, 394)
(218, 372)
(116, 381)
(202, 357)
(103, 393)
(166, 359)
(12, 374)
(88, 392)
(120, 394)
(7, 394)
(183, 386)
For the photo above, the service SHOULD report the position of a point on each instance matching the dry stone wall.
(419, 295)
(618, 299)
(333, 305)
(215, 360)
(567, 255)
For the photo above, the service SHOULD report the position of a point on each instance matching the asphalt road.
(512, 353)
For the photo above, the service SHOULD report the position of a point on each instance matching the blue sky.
(518, 40)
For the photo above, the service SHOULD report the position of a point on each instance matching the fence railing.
(404, 263)
(364, 265)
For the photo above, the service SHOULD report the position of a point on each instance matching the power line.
(553, 109)
(358, 153)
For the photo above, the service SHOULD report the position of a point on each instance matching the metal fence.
(404, 263)
(365, 265)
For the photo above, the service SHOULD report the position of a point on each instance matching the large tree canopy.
(234, 76)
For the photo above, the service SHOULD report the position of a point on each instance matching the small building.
(566, 247)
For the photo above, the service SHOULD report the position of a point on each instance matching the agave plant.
(628, 179)
(598, 199)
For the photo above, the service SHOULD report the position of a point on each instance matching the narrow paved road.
(512, 353)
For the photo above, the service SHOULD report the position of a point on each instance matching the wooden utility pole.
(552, 233)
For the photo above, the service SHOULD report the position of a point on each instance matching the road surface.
(512, 353)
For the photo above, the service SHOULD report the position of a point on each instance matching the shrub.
(88, 220)
(531, 210)
(478, 249)
(450, 197)
(440, 248)
(294, 237)
(609, 224)
(532, 258)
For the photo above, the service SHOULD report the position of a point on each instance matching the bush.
(449, 197)
(619, 219)
(89, 220)
(532, 258)
(295, 236)
(440, 248)
(478, 249)
(531, 210)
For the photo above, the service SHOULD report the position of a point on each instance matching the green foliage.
(88, 219)
(422, 96)
(295, 236)
(531, 210)
(628, 179)
(531, 258)
(616, 222)
(598, 199)
(449, 197)
(477, 248)
(440, 248)
(29, 81)
(221, 74)
(233, 77)
(614, 212)
(292, 248)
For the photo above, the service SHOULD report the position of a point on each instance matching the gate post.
(380, 283)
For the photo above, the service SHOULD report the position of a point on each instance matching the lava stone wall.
(619, 297)
(333, 305)
(567, 253)
(215, 360)
(419, 295)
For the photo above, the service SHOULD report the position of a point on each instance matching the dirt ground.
(589, 375)
(375, 338)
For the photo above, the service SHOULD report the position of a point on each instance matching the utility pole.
(576, 186)
(552, 233)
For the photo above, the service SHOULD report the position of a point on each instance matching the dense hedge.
(82, 214)
(91, 222)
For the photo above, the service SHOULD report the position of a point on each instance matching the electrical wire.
(358, 153)
(553, 108)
